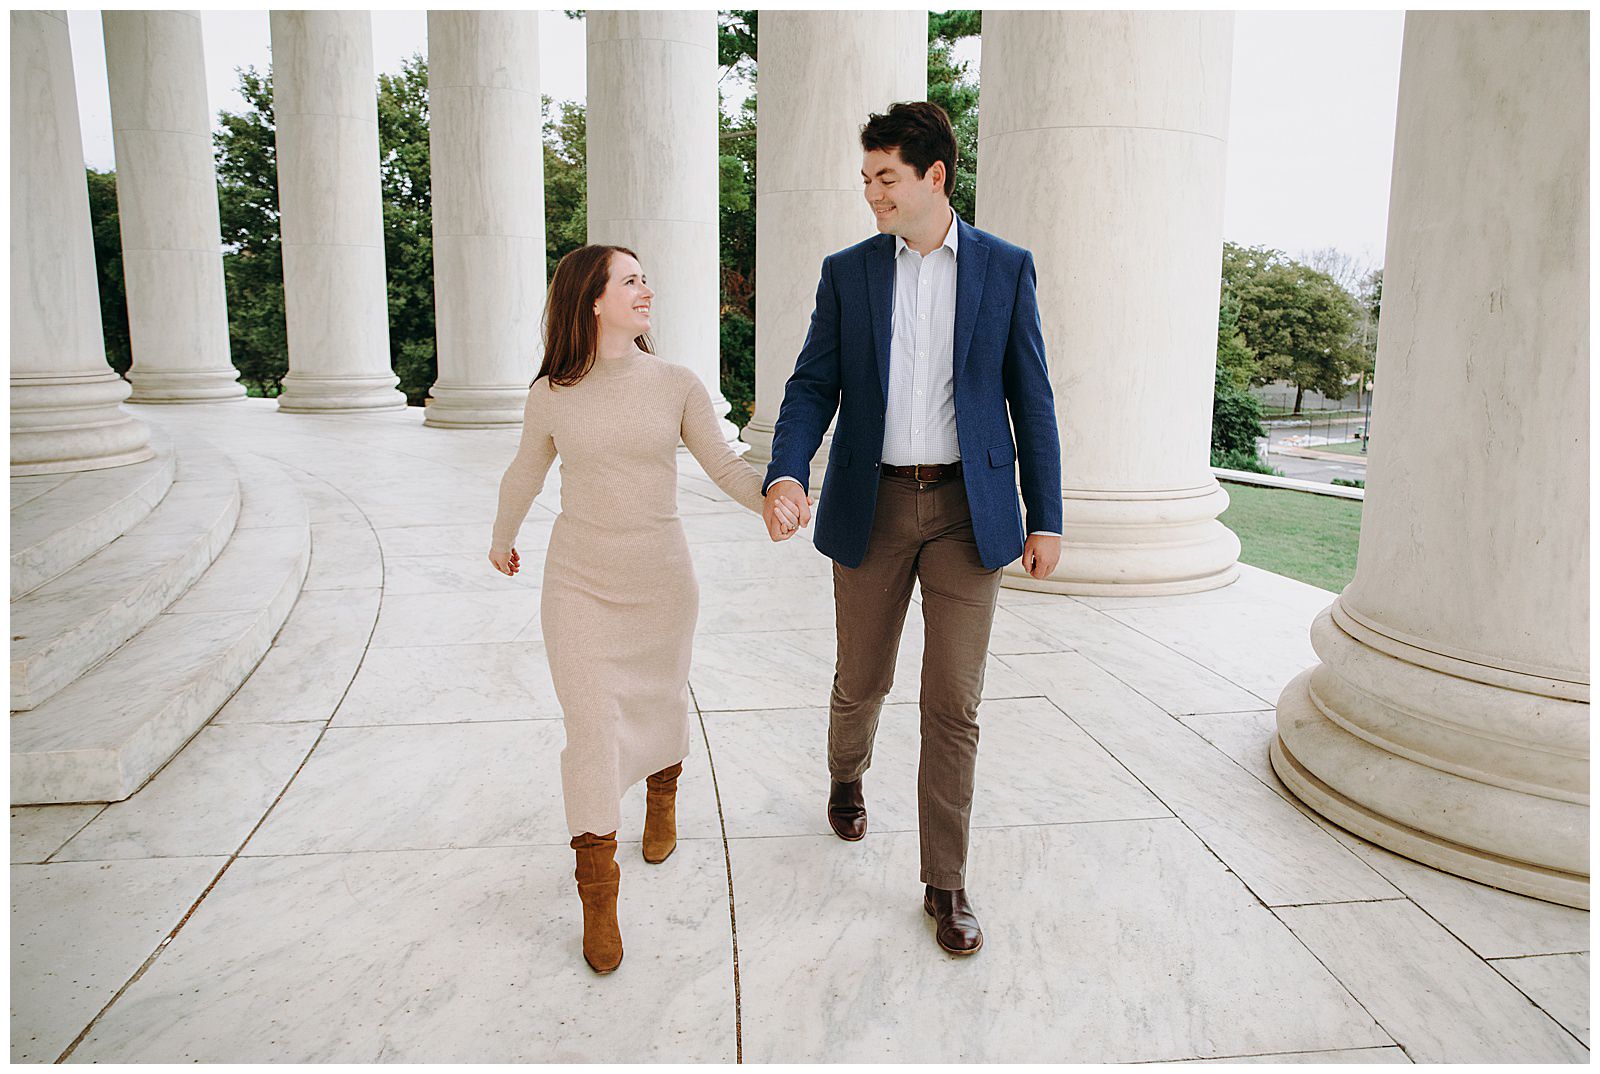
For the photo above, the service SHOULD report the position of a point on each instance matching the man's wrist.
(774, 484)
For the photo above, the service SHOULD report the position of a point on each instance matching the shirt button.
(919, 391)
(924, 316)
(922, 354)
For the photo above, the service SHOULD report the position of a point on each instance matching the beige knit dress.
(620, 597)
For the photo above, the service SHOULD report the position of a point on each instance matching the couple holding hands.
(923, 338)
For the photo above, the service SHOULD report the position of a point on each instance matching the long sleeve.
(524, 478)
(811, 394)
(1031, 401)
(704, 440)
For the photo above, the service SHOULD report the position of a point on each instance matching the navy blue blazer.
(998, 363)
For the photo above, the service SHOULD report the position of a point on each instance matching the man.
(922, 338)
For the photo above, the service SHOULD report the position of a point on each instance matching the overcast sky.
(1309, 146)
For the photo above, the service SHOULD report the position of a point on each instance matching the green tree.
(737, 46)
(1369, 297)
(736, 212)
(252, 262)
(1235, 413)
(949, 88)
(566, 188)
(737, 219)
(247, 194)
(1300, 322)
(107, 229)
(405, 179)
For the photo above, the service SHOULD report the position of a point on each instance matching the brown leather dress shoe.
(955, 926)
(847, 813)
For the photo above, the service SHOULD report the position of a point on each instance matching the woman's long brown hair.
(571, 330)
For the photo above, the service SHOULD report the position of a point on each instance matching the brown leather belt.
(924, 473)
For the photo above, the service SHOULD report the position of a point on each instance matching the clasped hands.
(787, 508)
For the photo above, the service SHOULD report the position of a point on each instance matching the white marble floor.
(362, 858)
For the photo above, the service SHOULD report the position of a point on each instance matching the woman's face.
(624, 306)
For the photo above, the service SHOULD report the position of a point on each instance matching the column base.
(185, 385)
(758, 434)
(452, 407)
(1473, 778)
(309, 394)
(1139, 544)
(730, 432)
(65, 424)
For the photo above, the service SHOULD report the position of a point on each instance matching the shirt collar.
(952, 238)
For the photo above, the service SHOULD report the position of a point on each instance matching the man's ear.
(938, 180)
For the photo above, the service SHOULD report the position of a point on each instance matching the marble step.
(60, 520)
(67, 625)
(103, 736)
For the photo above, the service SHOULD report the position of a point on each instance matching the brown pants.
(922, 533)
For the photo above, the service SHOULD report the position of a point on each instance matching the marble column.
(335, 293)
(167, 205)
(1101, 147)
(65, 399)
(488, 213)
(1448, 719)
(652, 167)
(821, 73)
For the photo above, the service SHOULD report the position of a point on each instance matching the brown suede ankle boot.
(661, 814)
(599, 876)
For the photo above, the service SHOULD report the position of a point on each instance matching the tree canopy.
(1302, 325)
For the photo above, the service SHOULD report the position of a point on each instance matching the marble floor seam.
(76, 832)
(871, 831)
(221, 872)
(727, 861)
(1210, 745)
(433, 849)
(144, 966)
(1266, 702)
(785, 708)
(1543, 1008)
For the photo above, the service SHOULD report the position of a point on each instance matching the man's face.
(900, 202)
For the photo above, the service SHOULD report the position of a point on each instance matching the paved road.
(1318, 432)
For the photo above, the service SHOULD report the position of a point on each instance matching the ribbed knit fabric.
(619, 598)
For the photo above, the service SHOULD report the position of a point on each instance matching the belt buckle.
(922, 482)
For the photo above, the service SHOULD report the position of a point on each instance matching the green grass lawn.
(1348, 447)
(1272, 413)
(1298, 534)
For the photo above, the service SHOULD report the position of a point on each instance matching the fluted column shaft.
(65, 399)
(488, 213)
(652, 171)
(324, 100)
(167, 206)
(820, 74)
(1101, 147)
(1449, 717)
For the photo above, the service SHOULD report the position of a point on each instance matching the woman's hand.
(505, 562)
(782, 513)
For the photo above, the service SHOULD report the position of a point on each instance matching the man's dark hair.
(921, 131)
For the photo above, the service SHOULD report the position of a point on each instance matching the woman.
(620, 599)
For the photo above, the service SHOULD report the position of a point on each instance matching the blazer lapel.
(972, 264)
(880, 297)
